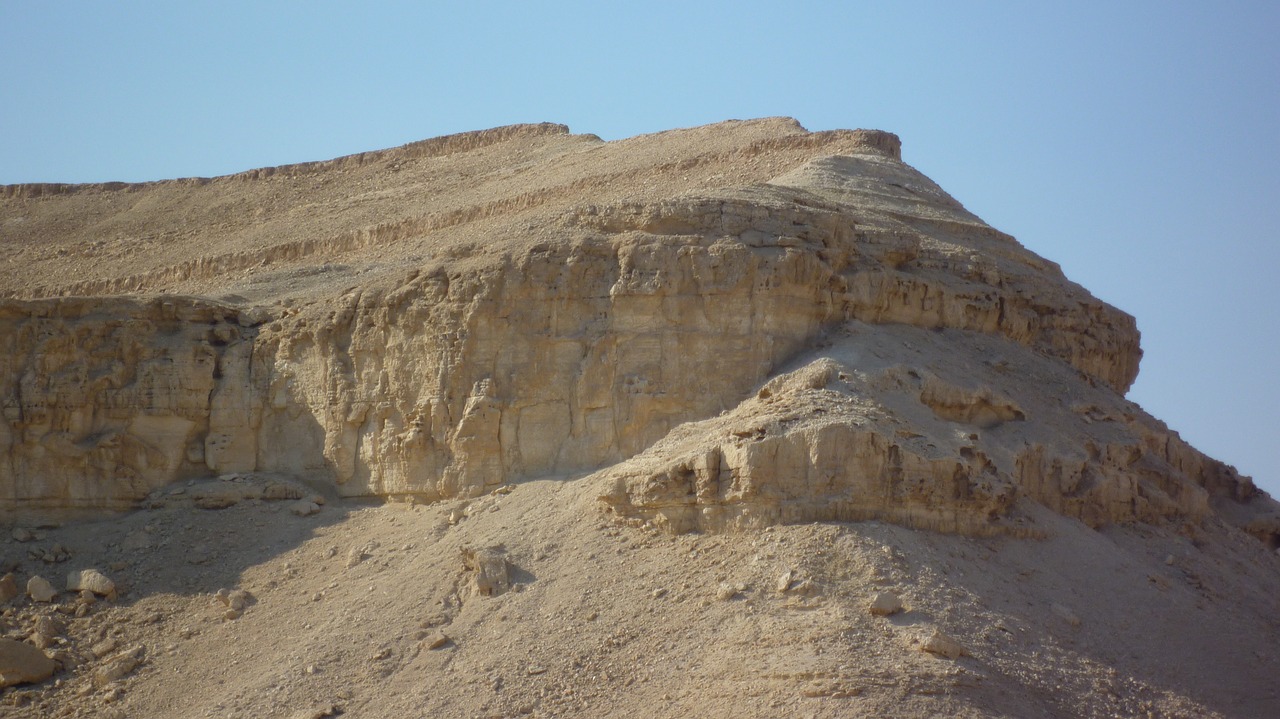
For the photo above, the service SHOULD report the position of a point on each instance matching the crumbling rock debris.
(234, 599)
(119, 666)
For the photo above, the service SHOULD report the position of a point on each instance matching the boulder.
(21, 663)
(90, 580)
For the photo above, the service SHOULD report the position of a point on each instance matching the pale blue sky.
(1135, 143)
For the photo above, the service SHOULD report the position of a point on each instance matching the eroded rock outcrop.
(613, 304)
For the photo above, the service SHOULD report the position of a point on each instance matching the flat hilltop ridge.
(191, 235)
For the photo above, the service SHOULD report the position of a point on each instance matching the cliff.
(689, 313)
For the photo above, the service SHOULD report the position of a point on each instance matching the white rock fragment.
(784, 581)
(941, 645)
(304, 508)
(90, 580)
(40, 590)
(885, 604)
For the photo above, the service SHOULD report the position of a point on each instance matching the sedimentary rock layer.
(470, 311)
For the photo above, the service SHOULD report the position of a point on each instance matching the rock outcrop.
(444, 318)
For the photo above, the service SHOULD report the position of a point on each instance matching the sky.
(1137, 144)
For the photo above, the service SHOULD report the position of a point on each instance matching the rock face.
(562, 305)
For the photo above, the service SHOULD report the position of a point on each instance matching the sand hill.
(738, 420)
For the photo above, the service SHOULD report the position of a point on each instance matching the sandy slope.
(609, 620)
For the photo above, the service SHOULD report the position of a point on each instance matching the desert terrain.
(735, 420)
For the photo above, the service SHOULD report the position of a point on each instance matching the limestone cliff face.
(558, 360)
(926, 368)
(106, 400)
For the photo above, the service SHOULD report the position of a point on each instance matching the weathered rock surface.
(90, 580)
(491, 573)
(21, 663)
(560, 305)
(40, 590)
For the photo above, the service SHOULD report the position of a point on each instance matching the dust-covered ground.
(374, 610)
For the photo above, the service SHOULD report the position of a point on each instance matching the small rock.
(22, 535)
(104, 647)
(119, 666)
(281, 490)
(1168, 559)
(40, 590)
(944, 646)
(886, 604)
(304, 508)
(21, 663)
(235, 599)
(784, 581)
(492, 573)
(231, 614)
(8, 588)
(48, 626)
(356, 556)
(65, 659)
(437, 640)
(536, 669)
(726, 591)
(90, 580)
